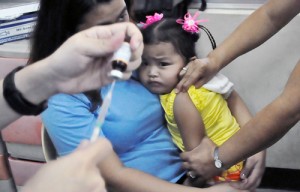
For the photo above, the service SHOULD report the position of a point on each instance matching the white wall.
(260, 75)
(228, 4)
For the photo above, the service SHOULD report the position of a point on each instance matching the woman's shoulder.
(69, 99)
(67, 107)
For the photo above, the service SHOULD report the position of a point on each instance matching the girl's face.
(105, 13)
(160, 67)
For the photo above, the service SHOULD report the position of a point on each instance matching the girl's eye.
(163, 64)
(144, 62)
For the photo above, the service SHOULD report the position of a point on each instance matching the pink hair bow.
(189, 23)
(152, 19)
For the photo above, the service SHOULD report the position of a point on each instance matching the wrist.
(214, 62)
(219, 164)
(17, 99)
(219, 58)
(35, 83)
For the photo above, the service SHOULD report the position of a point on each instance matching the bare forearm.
(256, 29)
(136, 181)
(33, 83)
(268, 126)
(259, 133)
(122, 179)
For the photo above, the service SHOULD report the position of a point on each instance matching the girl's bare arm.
(189, 121)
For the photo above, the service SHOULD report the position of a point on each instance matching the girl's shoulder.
(202, 97)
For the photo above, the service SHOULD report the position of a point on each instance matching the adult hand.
(76, 172)
(222, 187)
(83, 61)
(198, 72)
(252, 172)
(200, 160)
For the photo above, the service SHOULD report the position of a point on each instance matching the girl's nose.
(152, 72)
(152, 76)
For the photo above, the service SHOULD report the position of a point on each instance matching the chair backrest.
(47, 145)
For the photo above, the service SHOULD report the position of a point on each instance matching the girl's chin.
(157, 91)
(160, 92)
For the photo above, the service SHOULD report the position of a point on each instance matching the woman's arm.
(268, 125)
(32, 85)
(122, 179)
(255, 165)
(257, 28)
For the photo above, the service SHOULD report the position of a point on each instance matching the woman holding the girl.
(144, 157)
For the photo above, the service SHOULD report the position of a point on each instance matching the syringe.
(119, 63)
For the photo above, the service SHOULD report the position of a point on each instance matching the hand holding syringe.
(119, 63)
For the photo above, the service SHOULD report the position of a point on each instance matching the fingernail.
(176, 90)
(243, 176)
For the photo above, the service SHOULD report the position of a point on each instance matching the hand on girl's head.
(199, 72)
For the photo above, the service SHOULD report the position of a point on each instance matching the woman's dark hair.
(169, 31)
(57, 21)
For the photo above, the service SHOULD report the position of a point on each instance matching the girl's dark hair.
(57, 21)
(169, 31)
(203, 5)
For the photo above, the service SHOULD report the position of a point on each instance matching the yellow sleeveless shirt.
(219, 123)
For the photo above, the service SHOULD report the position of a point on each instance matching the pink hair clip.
(189, 23)
(152, 19)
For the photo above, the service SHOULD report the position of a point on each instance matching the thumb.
(185, 156)
(246, 171)
(244, 178)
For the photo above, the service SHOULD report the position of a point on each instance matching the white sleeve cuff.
(220, 84)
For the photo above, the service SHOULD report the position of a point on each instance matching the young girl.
(169, 46)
